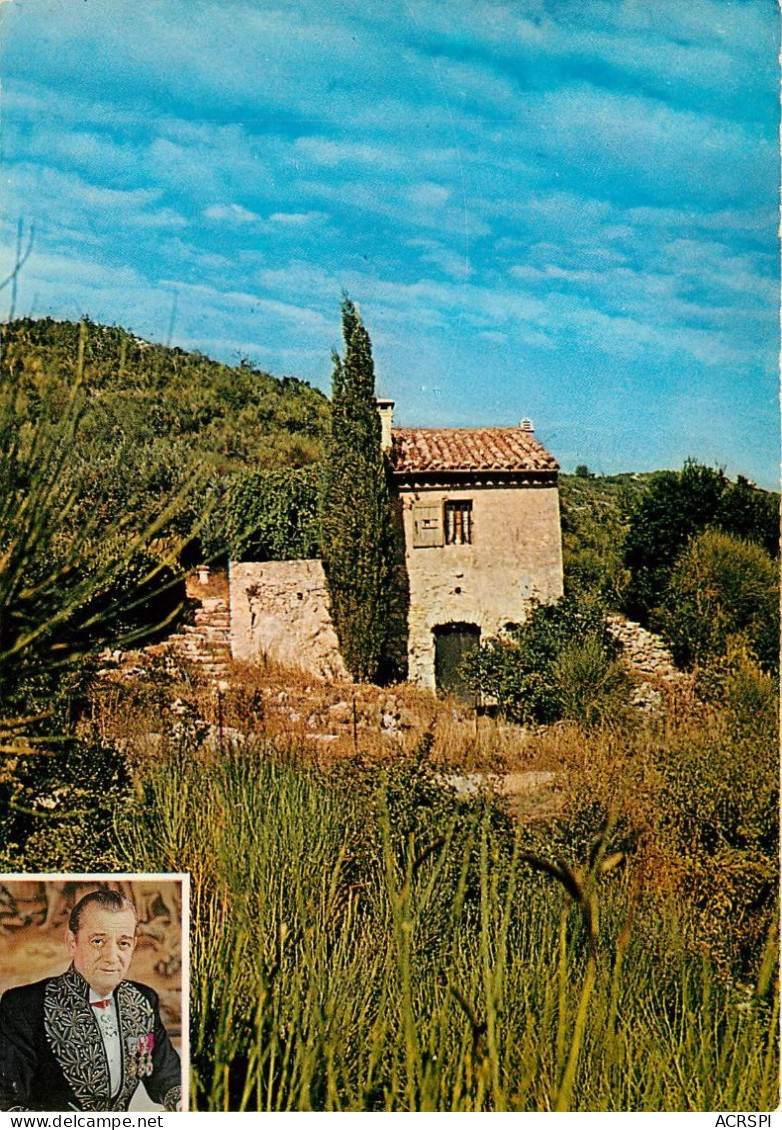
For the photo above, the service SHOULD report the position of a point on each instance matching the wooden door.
(452, 643)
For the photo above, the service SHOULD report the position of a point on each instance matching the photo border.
(138, 877)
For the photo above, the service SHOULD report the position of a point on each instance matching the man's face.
(102, 948)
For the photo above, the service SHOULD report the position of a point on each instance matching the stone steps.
(206, 643)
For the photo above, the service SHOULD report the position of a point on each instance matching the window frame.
(458, 524)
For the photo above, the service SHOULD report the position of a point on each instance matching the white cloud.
(429, 195)
(233, 213)
(328, 151)
(453, 263)
(295, 219)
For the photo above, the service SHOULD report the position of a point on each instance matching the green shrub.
(57, 809)
(694, 798)
(678, 505)
(590, 685)
(77, 572)
(747, 694)
(722, 588)
(560, 663)
(273, 515)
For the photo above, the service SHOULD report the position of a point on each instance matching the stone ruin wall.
(280, 612)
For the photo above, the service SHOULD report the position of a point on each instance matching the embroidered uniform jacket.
(52, 1056)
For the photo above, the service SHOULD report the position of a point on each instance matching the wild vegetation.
(381, 945)
(675, 508)
(368, 934)
(562, 662)
(157, 422)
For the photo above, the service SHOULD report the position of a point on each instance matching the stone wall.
(650, 663)
(280, 612)
(515, 555)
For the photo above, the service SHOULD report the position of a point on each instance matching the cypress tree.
(356, 510)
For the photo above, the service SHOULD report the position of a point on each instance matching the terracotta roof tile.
(468, 449)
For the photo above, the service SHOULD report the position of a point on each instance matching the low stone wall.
(645, 652)
(280, 612)
(650, 663)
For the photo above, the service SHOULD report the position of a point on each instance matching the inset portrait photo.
(94, 978)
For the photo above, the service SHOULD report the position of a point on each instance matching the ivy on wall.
(273, 515)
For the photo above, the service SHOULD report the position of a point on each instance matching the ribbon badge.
(140, 1058)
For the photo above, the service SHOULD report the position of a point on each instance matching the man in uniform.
(86, 1039)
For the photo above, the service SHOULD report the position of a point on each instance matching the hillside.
(595, 512)
(156, 422)
(141, 391)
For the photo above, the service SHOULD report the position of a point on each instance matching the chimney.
(526, 425)
(385, 410)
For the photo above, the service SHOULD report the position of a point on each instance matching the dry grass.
(691, 791)
(333, 720)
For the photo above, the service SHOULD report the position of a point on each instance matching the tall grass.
(353, 951)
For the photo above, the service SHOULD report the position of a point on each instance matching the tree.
(357, 524)
(676, 507)
(722, 588)
(751, 514)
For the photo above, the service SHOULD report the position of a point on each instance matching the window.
(458, 523)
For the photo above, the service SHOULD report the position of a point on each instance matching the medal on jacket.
(140, 1055)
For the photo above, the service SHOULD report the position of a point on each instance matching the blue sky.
(561, 209)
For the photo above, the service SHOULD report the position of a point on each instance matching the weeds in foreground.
(352, 952)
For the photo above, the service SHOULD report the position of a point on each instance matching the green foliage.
(59, 807)
(590, 685)
(718, 804)
(594, 524)
(749, 693)
(677, 506)
(560, 663)
(750, 514)
(71, 581)
(340, 963)
(721, 588)
(694, 797)
(358, 535)
(158, 421)
(272, 515)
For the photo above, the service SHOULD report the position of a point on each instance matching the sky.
(564, 210)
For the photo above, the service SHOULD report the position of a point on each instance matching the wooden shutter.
(427, 525)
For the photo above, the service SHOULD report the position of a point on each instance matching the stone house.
(480, 514)
(480, 508)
